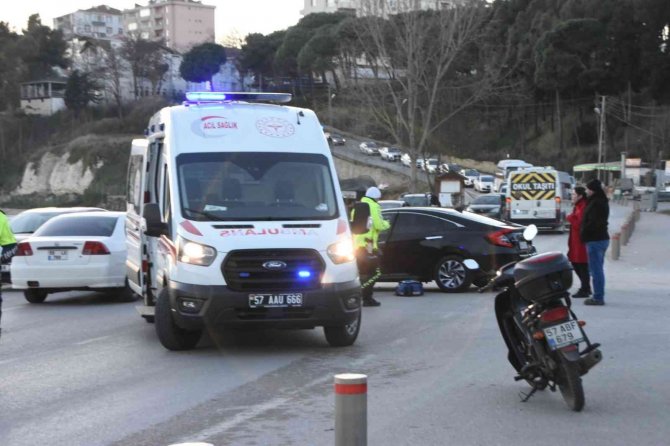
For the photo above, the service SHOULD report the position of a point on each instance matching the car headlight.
(341, 252)
(194, 253)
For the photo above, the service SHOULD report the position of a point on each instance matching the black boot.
(371, 302)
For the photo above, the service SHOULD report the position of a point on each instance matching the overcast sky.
(241, 16)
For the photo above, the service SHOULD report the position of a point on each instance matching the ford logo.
(274, 264)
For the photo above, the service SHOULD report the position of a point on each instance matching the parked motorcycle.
(542, 333)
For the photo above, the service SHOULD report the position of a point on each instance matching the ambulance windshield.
(256, 186)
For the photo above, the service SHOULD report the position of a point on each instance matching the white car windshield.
(254, 186)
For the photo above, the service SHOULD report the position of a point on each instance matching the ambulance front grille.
(273, 269)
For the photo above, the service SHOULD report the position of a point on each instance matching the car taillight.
(558, 208)
(555, 314)
(499, 238)
(24, 249)
(94, 249)
(508, 207)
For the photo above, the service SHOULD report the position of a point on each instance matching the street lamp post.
(602, 150)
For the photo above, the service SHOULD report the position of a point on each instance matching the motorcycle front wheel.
(570, 384)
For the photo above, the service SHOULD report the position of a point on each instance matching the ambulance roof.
(239, 126)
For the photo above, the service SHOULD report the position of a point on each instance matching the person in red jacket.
(576, 248)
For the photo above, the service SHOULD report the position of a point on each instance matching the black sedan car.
(432, 243)
(336, 139)
(492, 205)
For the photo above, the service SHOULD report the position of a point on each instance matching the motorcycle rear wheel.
(570, 385)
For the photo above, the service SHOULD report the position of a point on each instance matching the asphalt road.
(81, 369)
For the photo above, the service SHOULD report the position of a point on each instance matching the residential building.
(373, 7)
(100, 22)
(181, 24)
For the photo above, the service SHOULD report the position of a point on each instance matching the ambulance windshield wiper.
(204, 214)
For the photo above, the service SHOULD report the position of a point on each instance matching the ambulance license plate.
(278, 300)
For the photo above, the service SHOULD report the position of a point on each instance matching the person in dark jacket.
(594, 234)
(577, 248)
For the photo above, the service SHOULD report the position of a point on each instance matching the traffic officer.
(8, 245)
(367, 251)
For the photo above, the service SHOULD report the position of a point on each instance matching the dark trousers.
(368, 270)
(582, 271)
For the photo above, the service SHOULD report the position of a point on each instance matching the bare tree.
(429, 65)
(234, 39)
(146, 59)
(114, 67)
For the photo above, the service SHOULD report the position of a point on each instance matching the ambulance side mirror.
(152, 216)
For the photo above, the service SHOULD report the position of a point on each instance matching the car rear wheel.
(124, 294)
(35, 296)
(171, 336)
(451, 274)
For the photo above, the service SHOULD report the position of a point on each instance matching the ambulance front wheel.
(169, 334)
(343, 335)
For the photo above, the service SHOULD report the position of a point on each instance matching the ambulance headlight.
(342, 251)
(194, 253)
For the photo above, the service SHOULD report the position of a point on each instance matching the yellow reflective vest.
(378, 225)
(6, 235)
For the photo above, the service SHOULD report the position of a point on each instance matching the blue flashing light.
(198, 96)
(245, 275)
(303, 274)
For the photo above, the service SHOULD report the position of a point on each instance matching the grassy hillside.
(96, 138)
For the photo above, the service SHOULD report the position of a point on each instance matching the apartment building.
(182, 24)
(99, 22)
(373, 7)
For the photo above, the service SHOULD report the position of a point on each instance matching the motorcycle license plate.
(4, 268)
(523, 245)
(563, 334)
(275, 300)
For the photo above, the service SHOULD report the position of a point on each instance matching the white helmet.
(373, 193)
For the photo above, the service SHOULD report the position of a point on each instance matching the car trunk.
(60, 252)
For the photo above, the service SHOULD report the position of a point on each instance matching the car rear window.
(79, 226)
(487, 199)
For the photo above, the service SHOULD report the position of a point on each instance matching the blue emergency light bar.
(199, 97)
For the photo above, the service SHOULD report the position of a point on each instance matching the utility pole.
(602, 150)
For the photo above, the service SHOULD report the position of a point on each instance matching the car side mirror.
(152, 217)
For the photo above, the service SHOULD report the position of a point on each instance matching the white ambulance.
(235, 218)
(539, 196)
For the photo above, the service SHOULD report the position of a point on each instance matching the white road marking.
(259, 409)
(88, 341)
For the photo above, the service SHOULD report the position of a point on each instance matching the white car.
(390, 153)
(369, 148)
(430, 165)
(469, 176)
(26, 223)
(484, 183)
(406, 160)
(78, 251)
